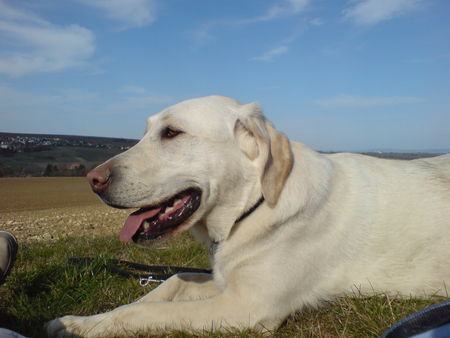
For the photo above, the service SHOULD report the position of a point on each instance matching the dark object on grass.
(156, 273)
(8, 251)
(432, 322)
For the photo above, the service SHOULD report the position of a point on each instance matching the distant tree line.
(51, 170)
(6, 171)
(63, 170)
(401, 156)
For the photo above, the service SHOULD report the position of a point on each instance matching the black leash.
(156, 273)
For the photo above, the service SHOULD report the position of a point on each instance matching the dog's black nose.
(98, 179)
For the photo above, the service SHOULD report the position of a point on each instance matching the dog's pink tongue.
(133, 223)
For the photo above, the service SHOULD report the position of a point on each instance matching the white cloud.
(33, 45)
(271, 54)
(286, 8)
(370, 12)
(130, 13)
(10, 13)
(365, 101)
(283, 9)
(317, 22)
(282, 47)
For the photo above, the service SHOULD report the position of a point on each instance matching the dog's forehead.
(208, 114)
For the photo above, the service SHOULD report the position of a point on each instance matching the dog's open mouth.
(156, 221)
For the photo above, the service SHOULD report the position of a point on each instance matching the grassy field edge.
(44, 286)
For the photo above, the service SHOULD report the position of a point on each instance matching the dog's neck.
(250, 211)
(214, 243)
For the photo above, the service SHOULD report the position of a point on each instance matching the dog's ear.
(278, 165)
(257, 137)
(246, 140)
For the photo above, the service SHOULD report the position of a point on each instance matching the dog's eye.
(170, 132)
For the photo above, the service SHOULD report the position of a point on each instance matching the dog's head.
(203, 160)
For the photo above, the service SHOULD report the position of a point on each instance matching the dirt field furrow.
(45, 209)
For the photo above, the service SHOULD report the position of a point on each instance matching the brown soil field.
(48, 208)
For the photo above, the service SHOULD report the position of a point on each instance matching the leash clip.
(144, 281)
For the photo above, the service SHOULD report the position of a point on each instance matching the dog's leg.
(184, 286)
(226, 310)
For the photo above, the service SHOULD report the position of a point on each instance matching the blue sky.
(335, 75)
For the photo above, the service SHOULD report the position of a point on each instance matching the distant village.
(11, 143)
(23, 155)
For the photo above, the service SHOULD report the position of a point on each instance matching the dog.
(286, 227)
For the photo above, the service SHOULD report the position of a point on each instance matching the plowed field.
(44, 209)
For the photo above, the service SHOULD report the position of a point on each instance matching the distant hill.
(396, 155)
(55, 155)
(69, 155)
(410, 151)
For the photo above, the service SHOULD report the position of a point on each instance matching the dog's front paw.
(80, 326)
(68, 326)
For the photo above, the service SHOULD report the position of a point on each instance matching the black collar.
(250, 211)
(214, 244)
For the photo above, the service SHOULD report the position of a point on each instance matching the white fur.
(340, 223)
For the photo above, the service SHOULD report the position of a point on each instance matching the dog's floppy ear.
(246, 140)
(257, 137)
(278, 165)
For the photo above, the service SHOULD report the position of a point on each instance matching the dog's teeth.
(146, 226)
(168, 210)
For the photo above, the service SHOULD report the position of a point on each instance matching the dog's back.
(405, 224)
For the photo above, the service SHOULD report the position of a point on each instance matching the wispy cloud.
(371, 12)
(271, 54)
(34, 45)
(366, 101)
(130, 13)
(202, 35)
(283, 9)
(317, 22)
(283, 46)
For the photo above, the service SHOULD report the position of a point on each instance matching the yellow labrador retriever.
(286, 227)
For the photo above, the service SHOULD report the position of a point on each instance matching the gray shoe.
(8, 251)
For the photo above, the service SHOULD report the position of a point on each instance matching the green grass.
(44, 286)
